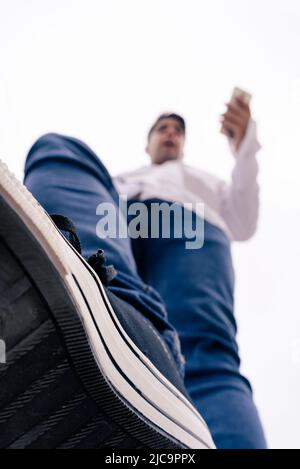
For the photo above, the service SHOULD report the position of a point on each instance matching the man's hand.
(235, 121)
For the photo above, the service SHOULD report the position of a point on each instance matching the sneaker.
(72, 377)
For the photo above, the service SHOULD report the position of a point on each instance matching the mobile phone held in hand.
(244, 96)
(241, 94)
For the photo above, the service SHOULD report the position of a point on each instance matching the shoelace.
(97, 261)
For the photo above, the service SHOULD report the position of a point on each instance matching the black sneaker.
(73, 378)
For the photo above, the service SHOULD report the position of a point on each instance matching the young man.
(80, 355)
(197, 285)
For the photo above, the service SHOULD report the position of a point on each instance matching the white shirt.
(232, 207)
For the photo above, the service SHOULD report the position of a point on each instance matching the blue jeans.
(195, 285)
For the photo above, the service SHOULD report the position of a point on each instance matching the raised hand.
(235, 121)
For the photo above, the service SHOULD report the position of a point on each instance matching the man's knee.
(49, 137)
(50, 147)
(57, 148)
(56, 152)
(48, 143)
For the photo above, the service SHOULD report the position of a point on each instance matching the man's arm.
(239, 201)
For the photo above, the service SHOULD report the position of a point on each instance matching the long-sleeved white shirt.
(232, 207)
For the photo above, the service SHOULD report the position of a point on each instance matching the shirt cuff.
(249, 145)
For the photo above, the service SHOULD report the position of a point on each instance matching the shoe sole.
(111, 370)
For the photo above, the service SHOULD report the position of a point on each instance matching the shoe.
(73, 378)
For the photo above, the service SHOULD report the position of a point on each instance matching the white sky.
(103, 70)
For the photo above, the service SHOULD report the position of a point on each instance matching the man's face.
(166, 141)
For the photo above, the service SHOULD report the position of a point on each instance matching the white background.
(103, 70)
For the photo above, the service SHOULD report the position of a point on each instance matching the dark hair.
(171, 115)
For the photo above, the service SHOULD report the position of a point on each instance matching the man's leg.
(71, 375)
(197, 287)
(66, 177)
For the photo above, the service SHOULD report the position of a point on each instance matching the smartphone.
(244, 96)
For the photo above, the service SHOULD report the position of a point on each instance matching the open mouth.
(169, 144)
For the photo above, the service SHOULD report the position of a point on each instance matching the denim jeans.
(197, 286)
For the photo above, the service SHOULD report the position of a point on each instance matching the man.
(92, 359)
(197, 285)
